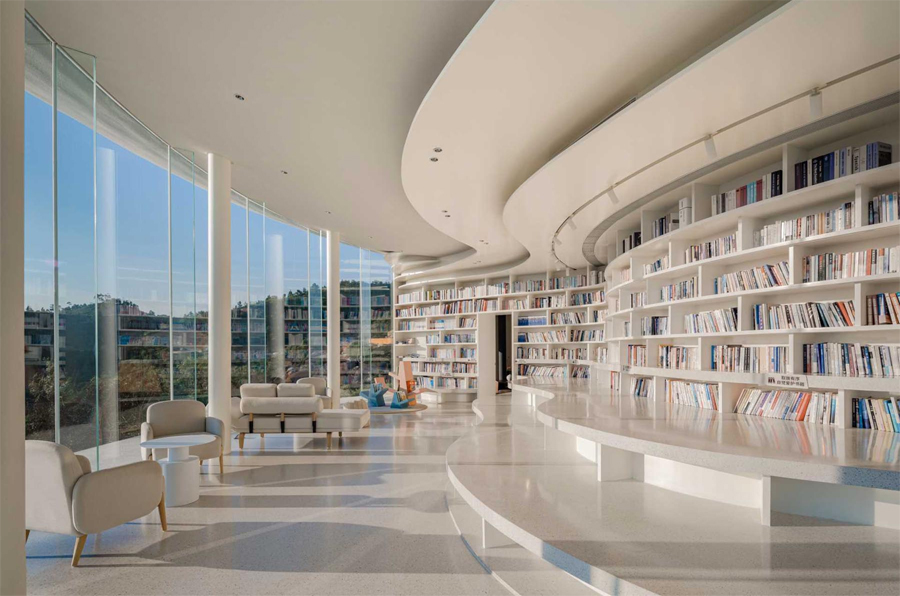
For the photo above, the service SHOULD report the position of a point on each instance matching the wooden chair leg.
(162, 512)
(241, 440)
(27, 532)
(328, 441)
(79, 546)
(221, 459)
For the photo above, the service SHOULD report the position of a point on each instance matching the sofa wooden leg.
(162, 512)
(79, 546)
(27, 532)
(241, 440)
(221, 459)
(328, 441)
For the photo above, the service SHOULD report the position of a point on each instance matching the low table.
(180, 469)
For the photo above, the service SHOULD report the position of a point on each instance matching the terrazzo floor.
(292, 518)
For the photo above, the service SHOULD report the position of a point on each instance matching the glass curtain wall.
(116, 274)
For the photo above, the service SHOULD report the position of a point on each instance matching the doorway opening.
(504, 345)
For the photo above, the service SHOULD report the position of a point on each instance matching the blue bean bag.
(375, 395)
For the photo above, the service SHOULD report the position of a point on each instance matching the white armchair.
(183, 417)
(63, 496)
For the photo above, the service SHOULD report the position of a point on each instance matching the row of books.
(531, 370)
(811, 407)
(558, 336)
(678, 291)
(575, 281)
(568, 318)
(851, 360)
(884, 208)
(454, 338)
(641, 386)
(763, 276)
(638, 299)
(558, 301)
(803, 315)
(677, 357)
(495, 289)
(452, 354)
(529, 285)
(602, 354)
(569, 353)
(598, 316)
(446, 382)
(748, 359)
(581, 372)
(697, 395)
(830, 265)
(770, 185)
(723, 320)
(655, 325)
(426, 311)
(633, 240)
(585, 298)
(665, 224)
(482, 305)
(532, 353)
(883, 309)
(636, 355)
(840, 163)
(531, 321)
(876, 413)
(580, 335)
(660, 264)
(625, 275)
(444, 368)
(719, 247)
(513, 304)
(412, 326)
(835, 220)
(426, 295)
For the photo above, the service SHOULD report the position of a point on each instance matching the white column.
(107, 324)
(333, 279)
(12, 299)
(275, 327)
(220, 292)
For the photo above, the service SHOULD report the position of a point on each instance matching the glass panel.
(317, 293)
(365, 319)
(77, 307)
(184, 271)
(256, 278)
(381, 335)
(40, 396)
(201, 289)
(133, 221)
(239, 298)
(349, 316)
(287, 312)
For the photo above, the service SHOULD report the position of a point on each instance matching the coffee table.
(180, 469)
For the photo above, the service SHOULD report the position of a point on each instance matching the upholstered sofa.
(183, 417)
(290, 408)
(63, 495)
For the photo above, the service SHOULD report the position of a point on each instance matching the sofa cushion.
(280, 405)
(259, 390)
(296, 390)
(318, 383)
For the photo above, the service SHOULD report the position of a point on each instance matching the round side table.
(180, 469)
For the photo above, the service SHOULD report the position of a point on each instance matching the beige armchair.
(63, 496)
(183, 417)
(320, 384)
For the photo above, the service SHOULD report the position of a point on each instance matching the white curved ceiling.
(531, 75)
(331, 89)
(528, 80)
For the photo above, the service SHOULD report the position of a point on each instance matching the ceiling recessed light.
(447, 215)
(434, 159)
(437, 149)
(328, 212)
(444, 211)
(284, 172)
(239, 97)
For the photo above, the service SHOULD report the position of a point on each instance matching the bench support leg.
(328, 441)
(241, 440)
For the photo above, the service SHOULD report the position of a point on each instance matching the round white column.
(333, 279)
(12, 299)
(219, 203)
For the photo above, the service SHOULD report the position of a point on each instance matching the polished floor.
(367, 518)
